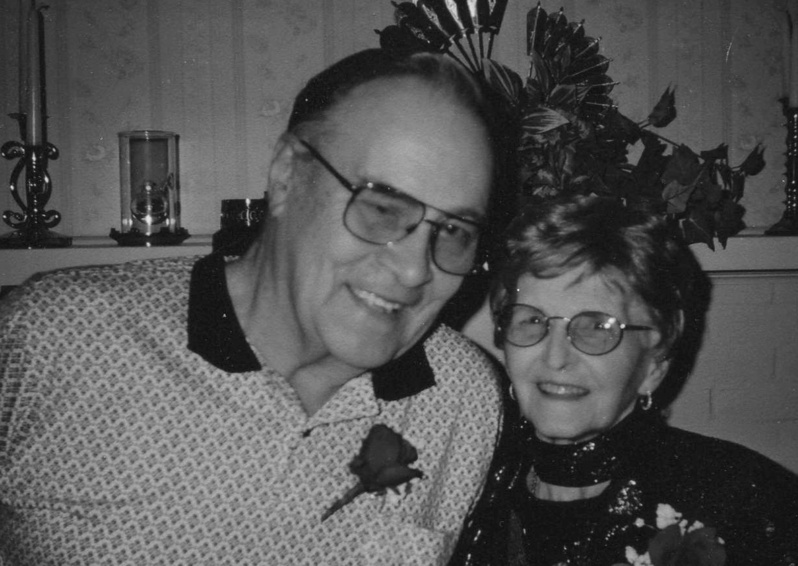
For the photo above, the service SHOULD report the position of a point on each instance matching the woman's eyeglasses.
(591, 332)
(380, 214)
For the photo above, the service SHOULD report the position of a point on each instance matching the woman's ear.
(281, 173)
(660, 363)
(658, 368)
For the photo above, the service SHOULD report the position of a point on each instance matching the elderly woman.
(599, 311)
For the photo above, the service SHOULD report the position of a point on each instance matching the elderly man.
(186, 411)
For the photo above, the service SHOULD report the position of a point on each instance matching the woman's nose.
(558, 347)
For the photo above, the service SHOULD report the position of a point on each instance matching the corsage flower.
(382, 464)
(678, 541)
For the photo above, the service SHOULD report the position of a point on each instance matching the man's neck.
(271, 331)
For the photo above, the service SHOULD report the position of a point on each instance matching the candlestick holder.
(32, 225)
(788, 225)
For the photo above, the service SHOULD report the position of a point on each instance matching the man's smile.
(374, 301)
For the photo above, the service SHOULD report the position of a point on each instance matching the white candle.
(149, 171)
(785, 54)
(23, 56)
(35, 117)
(793, 81)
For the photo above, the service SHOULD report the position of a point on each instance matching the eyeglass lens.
(593, 333)
(380, 214)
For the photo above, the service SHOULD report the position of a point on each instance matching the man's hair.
(324, 91)
(608, 237)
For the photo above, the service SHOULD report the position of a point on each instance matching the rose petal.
(702, 548)
(393, 476)
(664, 546)
(383, 458)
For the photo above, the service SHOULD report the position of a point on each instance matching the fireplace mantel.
(18, 265)
(744, 253)
(751, 252)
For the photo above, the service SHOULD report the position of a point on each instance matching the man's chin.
(371, 346)
(367, 354)
(365, 360)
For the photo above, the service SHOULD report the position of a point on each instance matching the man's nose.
(411, 257)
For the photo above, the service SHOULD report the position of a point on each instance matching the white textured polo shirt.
(138, 427)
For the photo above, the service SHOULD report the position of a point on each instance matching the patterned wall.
(222, 74)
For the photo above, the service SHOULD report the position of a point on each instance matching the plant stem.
(349, 496)
(663, 138)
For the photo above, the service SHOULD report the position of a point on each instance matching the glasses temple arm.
(328, 166)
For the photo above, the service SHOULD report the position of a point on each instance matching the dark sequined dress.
(750, 501)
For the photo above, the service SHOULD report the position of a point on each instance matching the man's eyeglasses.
(591, 332)
(380, 214)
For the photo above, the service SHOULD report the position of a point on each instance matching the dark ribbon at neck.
(593, 461)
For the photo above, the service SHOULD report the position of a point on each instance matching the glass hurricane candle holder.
(149, 189)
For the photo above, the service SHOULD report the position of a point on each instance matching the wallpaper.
(222, 74)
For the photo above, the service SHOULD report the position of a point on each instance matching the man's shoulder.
(460, 363)
(459, 352)
(107, 287)
(159, 273)
(155, 266)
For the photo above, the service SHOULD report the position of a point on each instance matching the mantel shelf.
(750, 252)
(743, 253)
(17, 265)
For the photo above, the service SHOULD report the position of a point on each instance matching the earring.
(646, 401)
(512, 392)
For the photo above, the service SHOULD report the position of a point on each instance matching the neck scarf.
(593, 461)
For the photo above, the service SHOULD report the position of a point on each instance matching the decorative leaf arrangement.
(440, 26)
(570, 137)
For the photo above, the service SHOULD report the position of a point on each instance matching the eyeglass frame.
(355, 190)
(621, 327)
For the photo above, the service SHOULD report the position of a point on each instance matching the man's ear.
(281, 173)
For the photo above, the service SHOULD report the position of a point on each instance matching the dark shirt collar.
(214, 334)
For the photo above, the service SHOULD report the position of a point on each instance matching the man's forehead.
(399, 99)
(417, 142)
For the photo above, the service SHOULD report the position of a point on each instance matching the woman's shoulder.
(750, 499)
(714, 467)
(676, 448)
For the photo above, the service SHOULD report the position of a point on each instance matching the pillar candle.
(34, 110)
(793, 66)
(149, 171)
(23, 56)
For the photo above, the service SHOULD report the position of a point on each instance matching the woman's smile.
(561, 391)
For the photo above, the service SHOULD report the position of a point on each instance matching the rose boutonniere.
(678, 541)
(382, 464)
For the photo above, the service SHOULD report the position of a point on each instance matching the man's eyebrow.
(468, 214)
(465, 213)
